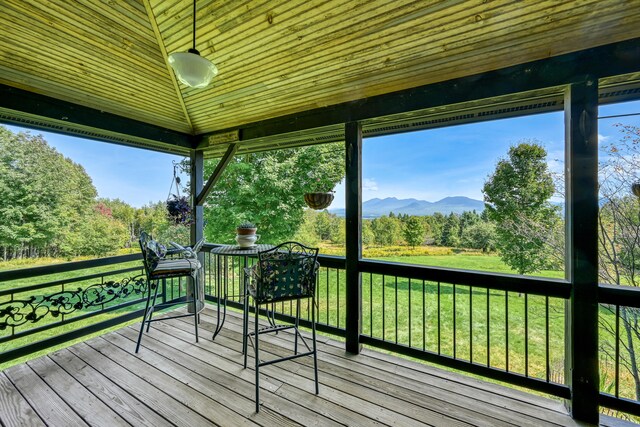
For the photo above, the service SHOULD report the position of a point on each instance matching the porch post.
(197, 180)
(353, 187)
(581, 154)
(197, 226)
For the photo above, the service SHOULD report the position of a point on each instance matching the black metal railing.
(619, 342)
(45, 306)
(496, 326)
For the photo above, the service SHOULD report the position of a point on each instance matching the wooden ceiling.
(280, 57)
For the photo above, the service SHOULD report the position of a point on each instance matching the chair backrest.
(152, 252)
(286, 272)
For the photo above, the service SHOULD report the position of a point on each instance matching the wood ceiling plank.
(27, 82)
(291, 87)
(178, 93)
(89, 27)
(64, 57)
(370, 50)
(453, 72)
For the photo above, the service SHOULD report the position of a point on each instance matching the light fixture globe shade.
(192, 69)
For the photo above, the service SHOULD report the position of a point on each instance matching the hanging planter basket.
(179, 210)
(318, 200)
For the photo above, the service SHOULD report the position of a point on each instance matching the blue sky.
(427, 165)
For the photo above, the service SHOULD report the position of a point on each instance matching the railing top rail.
(507, 282)
(626, 296)
(65, 267)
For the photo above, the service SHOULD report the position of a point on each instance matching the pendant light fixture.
(192, 69)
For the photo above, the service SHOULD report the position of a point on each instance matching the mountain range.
(378, 207)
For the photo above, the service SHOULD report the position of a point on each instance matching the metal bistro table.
(223, 252)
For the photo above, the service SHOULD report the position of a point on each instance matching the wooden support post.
(197, 226)
(581, 147)
(353, 145)
(228, 155)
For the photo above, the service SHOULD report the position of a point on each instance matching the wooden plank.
(457, 387)
(128, 406)
(202, 373)
(75, 394)
(174, 410)
(198, 400)
(354, 394)
(45, 106)
(47, 404)
(15, 411)
(330, 401)
(217, 353)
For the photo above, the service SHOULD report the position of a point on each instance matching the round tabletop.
(235, 250)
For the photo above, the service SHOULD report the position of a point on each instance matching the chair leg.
(315, 351)
(295, 339)
(144, 315)
(245, 328)
(257, 362)
(155, 296)
(195, 306)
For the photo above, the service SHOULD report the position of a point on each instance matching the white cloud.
(369, 184)
(602, 138)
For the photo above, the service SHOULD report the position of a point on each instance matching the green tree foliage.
(414, 231)
(387, 230)
(518, 200)
(44, 195)
(451, 231)
(125, 214)
(368, 236)
(481, 235)
(467, 219)
(435, 224)
(267, 189)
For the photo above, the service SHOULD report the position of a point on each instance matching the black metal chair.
(160, 263)
(286, 272)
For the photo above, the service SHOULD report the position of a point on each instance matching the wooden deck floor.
(174, 381)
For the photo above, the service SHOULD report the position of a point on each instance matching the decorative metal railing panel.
(36, 307)
(44, 306)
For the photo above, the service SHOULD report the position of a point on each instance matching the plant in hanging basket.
(179, 209)
(246, 228)
(318, 200)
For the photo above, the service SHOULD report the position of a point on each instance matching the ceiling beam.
(224, 161)
(603, 61)
(56, 110)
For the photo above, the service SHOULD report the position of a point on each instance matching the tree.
(481, 235)
(619, 238)
(517, 197)
(386, 230)
(451, 231)
(45, 196)
(435, 224)
(267, 189)
(467, 219)
(414, 231)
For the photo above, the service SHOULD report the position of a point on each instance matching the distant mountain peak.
(453, 204)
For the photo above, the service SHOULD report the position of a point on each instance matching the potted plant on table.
(246, 235)
(246, 228)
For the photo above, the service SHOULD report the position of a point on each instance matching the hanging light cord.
(194, 24)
